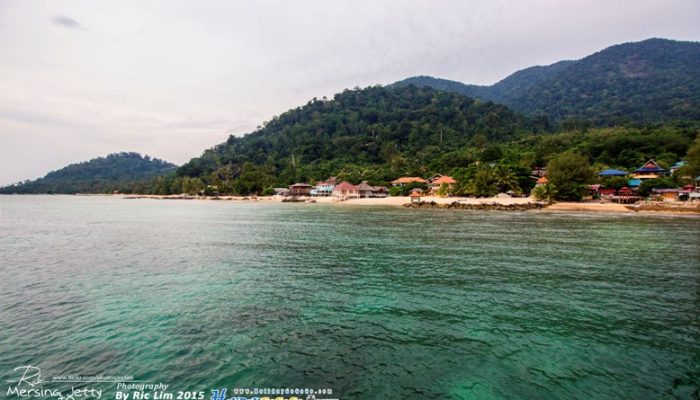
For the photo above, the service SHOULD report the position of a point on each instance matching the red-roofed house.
(346, 190)
(437, 182)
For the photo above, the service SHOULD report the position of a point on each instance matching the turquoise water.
(375, 303)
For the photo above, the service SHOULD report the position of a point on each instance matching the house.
(443, 179)
(625, 191)
(346, 190)
(650, 170)
(542, 181)
(612, 172)
(675, 167)
(324, 188)
(415, 196)
(667, 194)
(350, 191)
(606, 192)
(594, 190)
(405, 180)
(365, 190)
(687, 192)
(300, 189)
(626, 195)
(380, 191)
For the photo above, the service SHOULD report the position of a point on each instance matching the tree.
(505, 178)
(546, 192)
(569, 173)
(444, 190)
(483, 183)
(649, 185)
(693, 158)
(614, 182)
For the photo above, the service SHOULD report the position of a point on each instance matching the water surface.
(371, 302)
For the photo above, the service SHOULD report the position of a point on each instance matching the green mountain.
(377, 134)
(123, 172)
(386, 130)
(649, 81)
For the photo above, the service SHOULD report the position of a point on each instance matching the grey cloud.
(67, 22)
(174, 77)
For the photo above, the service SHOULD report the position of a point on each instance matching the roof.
(345, 186)
(444, 179)
(650, 166)
(543, 180)
(679, 164)
(594, 187)
(665, 190)
(634, 182)
(409, 179)
(365, 186)
(613, 172)
(415, 194)
(300, 185)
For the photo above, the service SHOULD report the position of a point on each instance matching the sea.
(218, 299)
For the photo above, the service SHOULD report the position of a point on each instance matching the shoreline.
(656, 208)
(523, 204)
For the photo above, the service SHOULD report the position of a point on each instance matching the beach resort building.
(346, 190)
(675, 167)
(612, 173)
(626, 196)
(365, 190)
(650, 170)
(300, 189)
(666, 194)
(349, 191)
(325, 188)
(415, 196)
(436, 183)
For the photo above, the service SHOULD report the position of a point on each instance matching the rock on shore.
(480, 207)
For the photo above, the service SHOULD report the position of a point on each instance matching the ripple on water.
(370, 302)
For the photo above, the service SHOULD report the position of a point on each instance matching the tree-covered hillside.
(393, 130)
(123, 172)
(650, 81)
(377, 134)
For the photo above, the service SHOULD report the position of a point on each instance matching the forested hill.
(650, 81)
(124, 172)
(397, 130)
(378, 134)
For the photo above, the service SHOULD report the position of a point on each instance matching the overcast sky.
(80, 79)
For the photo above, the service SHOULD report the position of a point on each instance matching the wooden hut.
(415, 196)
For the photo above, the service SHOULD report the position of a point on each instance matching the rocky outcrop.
(493, 206)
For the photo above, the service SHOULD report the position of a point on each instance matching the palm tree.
(505, 178)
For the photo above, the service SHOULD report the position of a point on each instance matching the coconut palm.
(505, 178)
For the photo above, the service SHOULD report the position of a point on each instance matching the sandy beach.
(399, 201)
